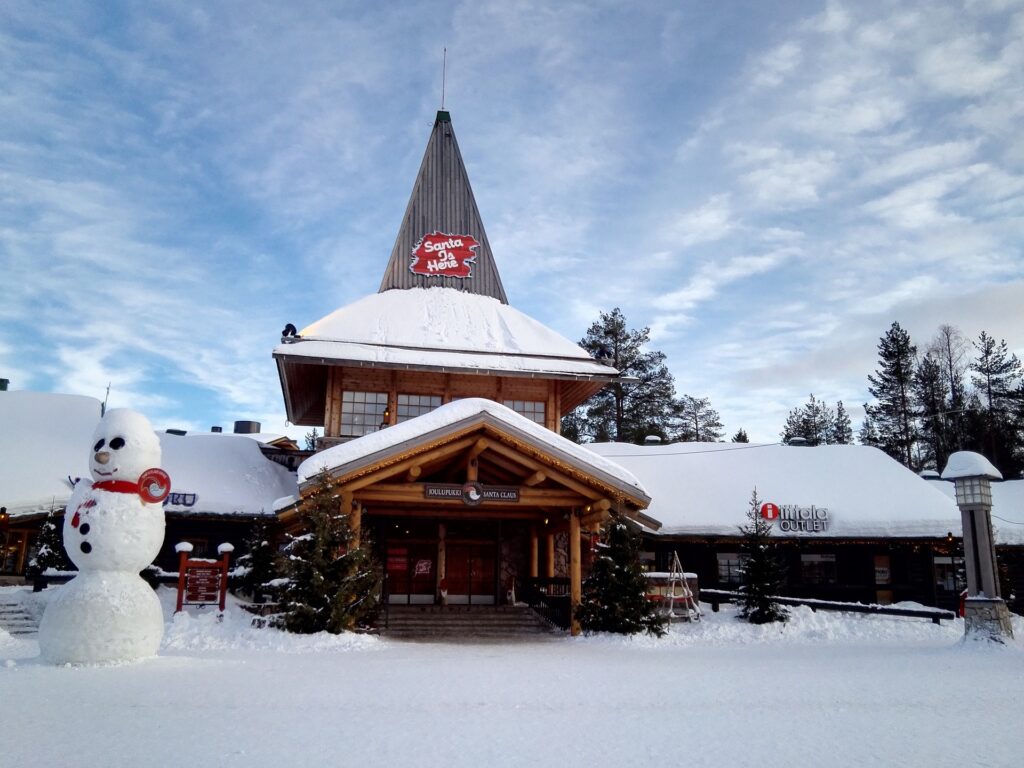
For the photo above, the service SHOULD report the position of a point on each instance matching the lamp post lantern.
(985, 613)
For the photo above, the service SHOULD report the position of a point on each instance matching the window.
(362, 412)
(950, 575)
(730, 567)
(819, 569)
(411, 406)
(531, 409)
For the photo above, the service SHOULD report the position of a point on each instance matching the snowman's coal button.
(84, 529)
(86, 547)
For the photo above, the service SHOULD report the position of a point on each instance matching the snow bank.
(202, 629)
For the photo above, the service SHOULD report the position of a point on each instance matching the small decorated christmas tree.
(763, 573)
(261, 562)
(615, 594)
(332, 585)
(49, 551)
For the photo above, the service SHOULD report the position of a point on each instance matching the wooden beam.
(553, 474)
(442, 551)
(400, 467)
(535, 479)
(550, 564)
(356, 524)
(413, 493)
(596, 517)
(479, 447)
(469, 513)
(575, 572)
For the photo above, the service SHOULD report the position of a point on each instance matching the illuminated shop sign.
(790, 518)
(441, 253)
(472, 494)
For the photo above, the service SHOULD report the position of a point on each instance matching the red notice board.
(202, 582)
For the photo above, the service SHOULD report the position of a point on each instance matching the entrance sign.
(792, 518)
(472, 494)
(441, 253)
(202, 582)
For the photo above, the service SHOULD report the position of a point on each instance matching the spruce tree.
(815, 422)
(930, 398)
(49, 549)
(332, 585)
(842, 429)
(695, 421)
(891, 386)
(763, 573)
(261, 562)
(740, 436)
(615, 594)
(997, 377)
(624, 411)
(868, 435)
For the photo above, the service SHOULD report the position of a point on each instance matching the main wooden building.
(440, 406)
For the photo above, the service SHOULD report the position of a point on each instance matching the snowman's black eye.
(117, 443)
(96, 448)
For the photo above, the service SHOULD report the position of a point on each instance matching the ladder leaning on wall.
(679, 593)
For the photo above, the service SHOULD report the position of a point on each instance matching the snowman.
(113, 528)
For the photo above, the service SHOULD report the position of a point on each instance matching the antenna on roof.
(444, 74)
(103, 406)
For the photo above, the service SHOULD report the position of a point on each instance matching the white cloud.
(711, 221)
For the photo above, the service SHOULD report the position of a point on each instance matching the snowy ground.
(826, 690)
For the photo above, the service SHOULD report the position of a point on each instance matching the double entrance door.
(470, 573)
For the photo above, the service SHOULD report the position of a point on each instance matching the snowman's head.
(123, 446)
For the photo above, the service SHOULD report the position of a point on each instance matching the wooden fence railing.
(718, 596)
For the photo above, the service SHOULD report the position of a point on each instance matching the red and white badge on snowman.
(154, 485)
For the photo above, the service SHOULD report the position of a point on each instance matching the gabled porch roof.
(479, 440)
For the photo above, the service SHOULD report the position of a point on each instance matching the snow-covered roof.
(222, 474)
(44, 438)
(442, 328)
(705, 488)
(969, 464)
(458, 412)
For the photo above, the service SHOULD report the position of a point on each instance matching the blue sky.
(768, 186)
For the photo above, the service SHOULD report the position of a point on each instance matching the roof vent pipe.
(652, 440)
(797, 441)
(247, 427)
(3, 384)
(216, 429)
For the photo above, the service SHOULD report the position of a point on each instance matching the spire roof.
(442, 241)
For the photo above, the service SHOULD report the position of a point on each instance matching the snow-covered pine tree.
(332, 585)
(49, 549)
(614, 596)
(740, 436)
(261, 562)
(763, 573)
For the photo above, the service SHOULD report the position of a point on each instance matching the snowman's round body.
(107, 612)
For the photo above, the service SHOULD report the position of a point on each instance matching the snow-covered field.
(826, 689)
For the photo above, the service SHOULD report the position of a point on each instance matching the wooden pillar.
(442, 553)
(534, 573)
(550, 565)
(575, 577)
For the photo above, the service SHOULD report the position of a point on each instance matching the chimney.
(247, 427)
(3, 384)
(652, 440)
(179, 432)
(216, 429)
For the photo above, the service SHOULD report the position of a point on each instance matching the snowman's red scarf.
(117, 486)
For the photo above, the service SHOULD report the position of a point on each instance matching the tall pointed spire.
(442, 241)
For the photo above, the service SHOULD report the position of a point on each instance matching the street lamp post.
(985, 613)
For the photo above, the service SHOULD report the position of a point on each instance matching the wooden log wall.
(447, 386)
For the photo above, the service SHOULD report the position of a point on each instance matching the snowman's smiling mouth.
(100, 472)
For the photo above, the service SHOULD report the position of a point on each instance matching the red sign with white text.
(769, 511)
(444, 254)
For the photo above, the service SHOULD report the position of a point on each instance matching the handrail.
(717, 596)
